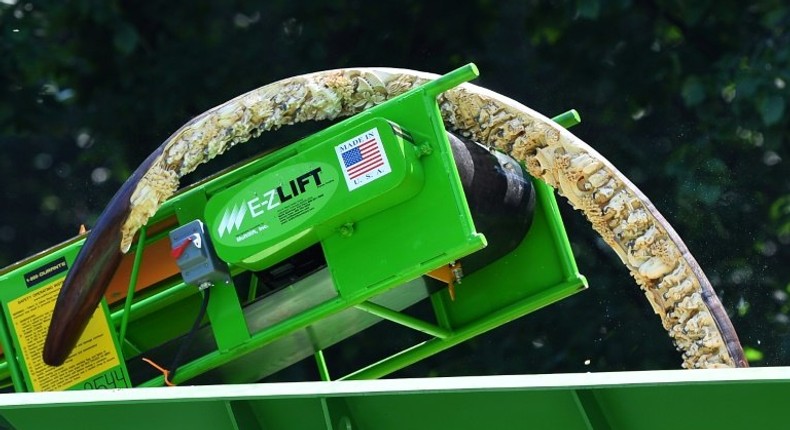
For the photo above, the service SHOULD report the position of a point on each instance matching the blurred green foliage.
(689, 99)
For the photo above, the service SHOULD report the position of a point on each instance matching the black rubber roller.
(500, 195)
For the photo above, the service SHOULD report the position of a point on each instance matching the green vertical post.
(227, 317)
(568, 119)
(323, 369)
(253, 290)
(127, 306)
(10, 357)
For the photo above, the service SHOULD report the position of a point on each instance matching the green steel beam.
(127, 306)
(650, 400)
(590, 410)
(431, 347)
(323, 369)
(568, 119)
(11, 366)
(403, 319)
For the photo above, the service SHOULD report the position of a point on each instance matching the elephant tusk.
(657, 258)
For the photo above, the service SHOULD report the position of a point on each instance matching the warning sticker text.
(94, 353)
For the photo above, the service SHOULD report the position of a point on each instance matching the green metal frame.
(539, 272)
(648, 400)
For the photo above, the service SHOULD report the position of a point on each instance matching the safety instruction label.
(95, 351)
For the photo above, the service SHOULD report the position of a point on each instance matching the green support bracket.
(323, 369)
(227, 319)
(590, 410)
(628, 400)
(127, 307)
(12, 366)
(337, 415)
(403, 319)
(242, 415)
(568, 119)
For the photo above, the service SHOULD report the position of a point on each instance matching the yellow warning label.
(94, 353)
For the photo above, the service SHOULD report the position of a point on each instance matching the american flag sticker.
(363, 159)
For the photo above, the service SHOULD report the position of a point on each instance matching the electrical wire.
(187, 342)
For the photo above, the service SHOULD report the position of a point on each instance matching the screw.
(424, 149)
(346, 230)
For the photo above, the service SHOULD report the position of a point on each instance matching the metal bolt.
(457, 271)
(346, 230)
(424, 149)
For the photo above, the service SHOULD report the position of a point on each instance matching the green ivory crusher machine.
(299, 254)
(370, 219)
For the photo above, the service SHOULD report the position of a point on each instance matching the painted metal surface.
(722, 398)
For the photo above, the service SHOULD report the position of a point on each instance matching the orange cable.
(164, 371)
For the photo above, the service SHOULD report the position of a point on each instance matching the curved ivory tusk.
(659, 261)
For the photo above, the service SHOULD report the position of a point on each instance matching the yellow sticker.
(95, 351)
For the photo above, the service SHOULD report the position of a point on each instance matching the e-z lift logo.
(234, 216)
(362, 159)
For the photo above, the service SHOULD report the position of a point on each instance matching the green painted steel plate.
(324, 184)
(651, 400)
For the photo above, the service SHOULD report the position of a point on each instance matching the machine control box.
(195, 257)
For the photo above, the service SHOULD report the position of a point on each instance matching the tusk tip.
(53, 355)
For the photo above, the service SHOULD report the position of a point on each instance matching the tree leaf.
(589, 9)
(772, 109)
(125, 39)
(693, 92)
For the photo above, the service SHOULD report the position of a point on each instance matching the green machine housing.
(376, 200)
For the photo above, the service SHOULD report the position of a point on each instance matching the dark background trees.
(689, 99)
